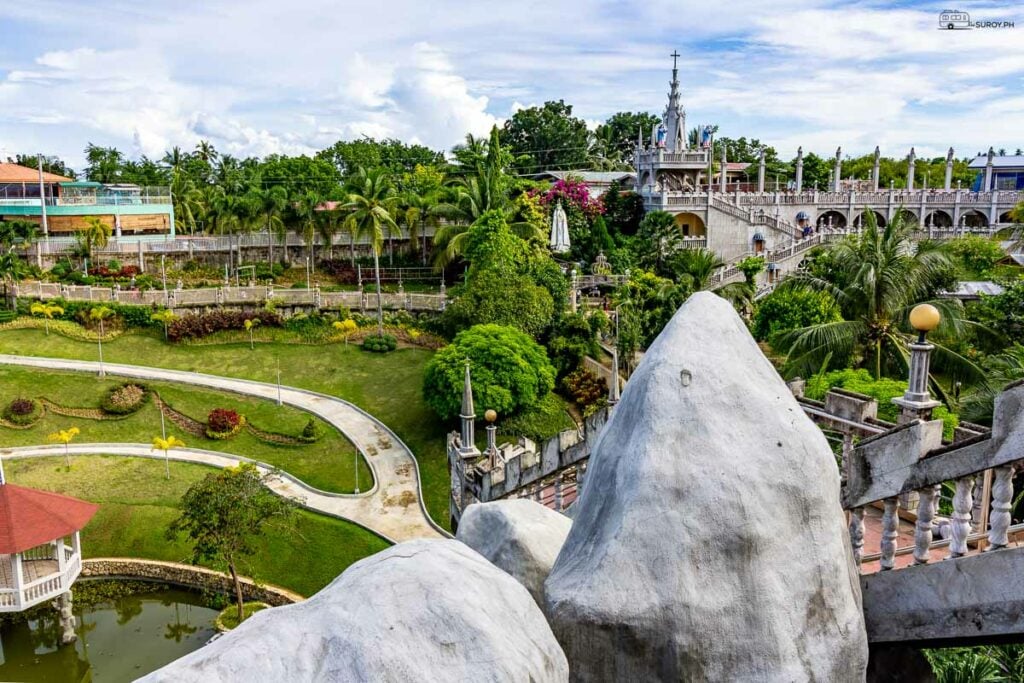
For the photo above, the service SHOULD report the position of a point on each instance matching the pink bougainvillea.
(571, 192)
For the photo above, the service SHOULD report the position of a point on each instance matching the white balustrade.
(963, 505)
(1002, 501)
(923, 527)
(857, 533)
(890, 533)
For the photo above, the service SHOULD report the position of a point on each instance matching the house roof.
(974, 290)
(1008, 161)
(587, 176)
(16, 173)
(29, 517)
(736, 165)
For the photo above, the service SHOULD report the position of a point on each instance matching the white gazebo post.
(17, 580)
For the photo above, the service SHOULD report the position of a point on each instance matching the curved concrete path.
(393, 508)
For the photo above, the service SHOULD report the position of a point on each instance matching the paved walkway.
(393, 508)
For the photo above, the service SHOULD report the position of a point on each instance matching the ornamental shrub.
(380, 343)
(124, 399)
(510, 371)
(587, 389)
(311, 432)
(791, 308)
(223, 423)
(23, 411)
(979, 255)
(197, 326)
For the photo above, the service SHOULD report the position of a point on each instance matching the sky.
(258, 77)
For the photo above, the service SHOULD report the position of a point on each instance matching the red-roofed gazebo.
(37, 563)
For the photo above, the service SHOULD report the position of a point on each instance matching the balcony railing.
(145, 195)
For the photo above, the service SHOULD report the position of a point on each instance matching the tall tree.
(103, 164)
(50, 164)
(272, 202)
(546, 138)
(620, 131)
(371, 207)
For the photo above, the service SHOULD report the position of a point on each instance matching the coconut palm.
(206, 151)
(877, 276)
(47, 311)
(95, 235)
(271, 202)
(309, 216)
(187, 200)
(417, 212)
(1000, 370)
(370, 212)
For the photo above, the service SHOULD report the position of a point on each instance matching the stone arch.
(645, 180)
(690, 224)
(834, 219)
(938, 218)
(972, 218)
(860, 219)
(1004, 218)
(908, 215)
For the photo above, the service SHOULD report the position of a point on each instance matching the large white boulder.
(709, 542)
(519, 536)
(419, 611)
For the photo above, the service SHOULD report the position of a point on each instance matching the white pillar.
(1002, 501)
(799, 169)
(910, 169)
(923, 528)
(890, 533)
(947, 183)
(18, 580)
(59, 546)
(963, 504)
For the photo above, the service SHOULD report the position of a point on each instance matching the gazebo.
(40, 549)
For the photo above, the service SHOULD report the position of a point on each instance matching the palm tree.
(95, 235)
(306, 208)
(272, 201)
(418, 211)
(206, 151)
(250, 324)
(187, 200)
(1001, 369)
(101, 313)
(174, 158)
(371, 211)
(47, 311)
(166, 317)
(877, 276)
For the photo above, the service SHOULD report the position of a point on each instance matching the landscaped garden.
(284, 437)
(388, 386)
(138, 503)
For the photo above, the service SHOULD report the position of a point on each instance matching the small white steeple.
(467, 415)
(674, 119)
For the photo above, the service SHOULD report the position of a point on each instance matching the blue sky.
(266, 76)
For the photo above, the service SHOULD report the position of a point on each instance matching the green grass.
(388, 386)
(137, 503)
(228, 617)
(326, 464)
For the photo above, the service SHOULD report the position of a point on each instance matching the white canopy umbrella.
(559, 230)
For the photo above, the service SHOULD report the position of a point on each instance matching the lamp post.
(917, 402)
(492, 431)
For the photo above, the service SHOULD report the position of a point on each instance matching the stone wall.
(185, 575)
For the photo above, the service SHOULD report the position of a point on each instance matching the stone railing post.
(890, 533)
(923, 527)
(1002, 501)
(963, 505)
(857, 534)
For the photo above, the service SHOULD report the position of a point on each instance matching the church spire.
(674, 119)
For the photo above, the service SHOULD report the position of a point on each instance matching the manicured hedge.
(199, 325)
(125, 399)
(380, 343)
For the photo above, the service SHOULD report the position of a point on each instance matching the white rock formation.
(520, 537)
(419, 611)
(709, 542)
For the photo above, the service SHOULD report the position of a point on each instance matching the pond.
(125, 630)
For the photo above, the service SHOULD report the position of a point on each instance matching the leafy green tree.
(620, 131)
(546, 138)
(511, 372)
(571, 339)
(649, 302)
(978, 255)
(370, 213)
(224, 514)
(1002, 313)
(877, 276)
(504, 299)
(397, 157)
(622, 210)
(659, 238)
(791, 308)
(103, 164)
(50, 164)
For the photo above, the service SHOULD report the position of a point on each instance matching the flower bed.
(23, 412)
(197, 326)
(125, 399)
(223, 423)
(66, 328)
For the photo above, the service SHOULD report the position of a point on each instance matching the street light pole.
(278, 381)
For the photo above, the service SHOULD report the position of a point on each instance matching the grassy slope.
(389, 386)
(137, 503)
(326, 464)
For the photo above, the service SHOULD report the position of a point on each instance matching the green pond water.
(119, 638)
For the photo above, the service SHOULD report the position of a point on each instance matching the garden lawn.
(388, 386)
(137, 503)
(325, 464)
